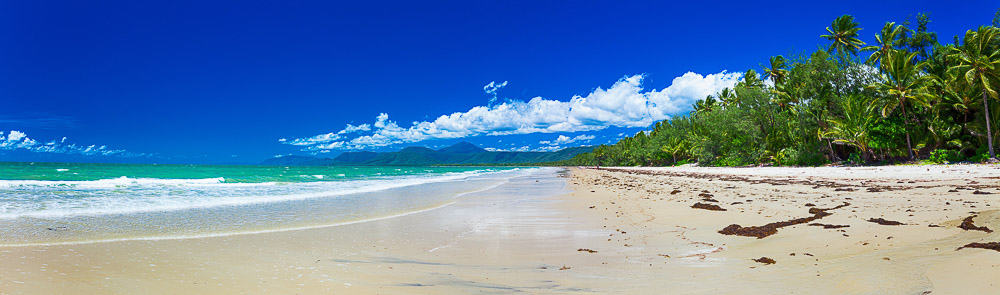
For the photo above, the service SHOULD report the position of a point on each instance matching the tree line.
(903, 98)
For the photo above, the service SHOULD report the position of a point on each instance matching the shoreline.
(579, 230)
(434, 251)
(222, 234)
(362, 201)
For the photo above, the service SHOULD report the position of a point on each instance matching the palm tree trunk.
(833, 153)
(906, 129)
(989, 133)
(965, 121)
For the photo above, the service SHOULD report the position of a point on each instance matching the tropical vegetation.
(903, 98)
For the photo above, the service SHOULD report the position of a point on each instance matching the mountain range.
(462, 153)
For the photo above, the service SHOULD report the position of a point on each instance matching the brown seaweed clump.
(830, 226)
(765, 260)
(705, 206)
(885, 222)
(967, 224)
(763, 231)
(995, 246)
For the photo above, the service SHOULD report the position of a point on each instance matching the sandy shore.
(620, 231)
(653, 205)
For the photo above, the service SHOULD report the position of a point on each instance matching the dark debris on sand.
(712, 207)
(586, 250)
(995, 246)
(763, 231)
(885, 222)
(830, 226)
(765, 260)
(967, 224)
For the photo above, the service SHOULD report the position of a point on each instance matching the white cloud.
(17, 140)
(562, 139)
(624, 104)
(355, 128)
(525, 148)
(492, 88)
(328, 137)
(550, 148)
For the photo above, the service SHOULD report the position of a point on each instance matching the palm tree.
(782, 95)
(704, 105)
(979, 64)
(778, 70)
(844, 35)
(887, 40)
(727, 96)
(751, 79)
(860, 116)
(958, 96)
(902, 82)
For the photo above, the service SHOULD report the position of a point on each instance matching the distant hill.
(462, 153)
(462, 148)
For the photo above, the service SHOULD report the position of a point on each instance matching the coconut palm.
(778, 70)
(844, 35)
(959, 96)
(704, 105)
(887, 39)
(727, 97)
(859, 117)
(751, 79)
(782, 95)
(979, 65)
(901, 83)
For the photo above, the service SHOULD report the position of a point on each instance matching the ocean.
(59, 203)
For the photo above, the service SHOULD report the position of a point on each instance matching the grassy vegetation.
(903, 98)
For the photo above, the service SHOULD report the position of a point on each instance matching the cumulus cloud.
(624, 104)
(355, 128)
(328, 137)
(562, 139)
(17, 140)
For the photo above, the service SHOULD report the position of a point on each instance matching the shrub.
(855, 158)
(942, 156)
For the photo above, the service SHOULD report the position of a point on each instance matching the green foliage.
(777, 70)
(978, 62)
(843, 35)
(919, 40)
(888, 40)
(855, 126)
(942, 156)
(910, 98)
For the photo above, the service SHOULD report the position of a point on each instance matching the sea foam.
(55, 199)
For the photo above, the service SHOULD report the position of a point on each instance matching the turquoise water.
(230, 173)
(70, 202)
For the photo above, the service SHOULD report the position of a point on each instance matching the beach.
(583, 230)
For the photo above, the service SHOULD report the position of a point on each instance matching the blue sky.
(225, 82)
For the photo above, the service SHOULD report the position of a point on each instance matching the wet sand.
(590, 231)
(513, 238)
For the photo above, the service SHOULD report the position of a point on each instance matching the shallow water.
(40, 204)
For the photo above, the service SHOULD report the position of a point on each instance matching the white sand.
(519, 236)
